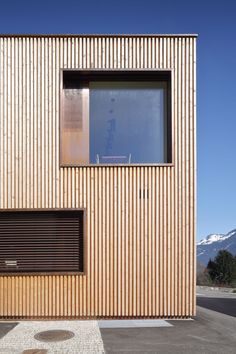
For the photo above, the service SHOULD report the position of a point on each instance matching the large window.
(115, 118)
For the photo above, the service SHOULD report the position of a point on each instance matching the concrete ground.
(209, 291)
(212, 331)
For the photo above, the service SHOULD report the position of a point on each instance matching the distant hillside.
(209, 246)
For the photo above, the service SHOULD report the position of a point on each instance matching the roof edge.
(97, 35)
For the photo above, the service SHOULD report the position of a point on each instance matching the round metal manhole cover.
(56, 335)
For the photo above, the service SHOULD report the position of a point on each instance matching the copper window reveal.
(41, 241)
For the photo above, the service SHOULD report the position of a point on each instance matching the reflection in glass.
(127, 122)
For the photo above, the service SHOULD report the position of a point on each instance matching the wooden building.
(97, 176)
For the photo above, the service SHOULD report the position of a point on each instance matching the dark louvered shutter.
(41, 241)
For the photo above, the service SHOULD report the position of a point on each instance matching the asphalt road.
(222, 305)
(217, 300)
(209, 333)
(6, 327)
(212, 331)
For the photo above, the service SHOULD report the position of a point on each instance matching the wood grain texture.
(140, 259)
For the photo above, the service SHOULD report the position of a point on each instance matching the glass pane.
(127, 122)
(74, 127)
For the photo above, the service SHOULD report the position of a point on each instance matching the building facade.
(97, 176)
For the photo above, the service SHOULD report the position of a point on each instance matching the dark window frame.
(79, 79)
(48, 272)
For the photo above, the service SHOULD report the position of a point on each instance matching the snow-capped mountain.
(209, 246)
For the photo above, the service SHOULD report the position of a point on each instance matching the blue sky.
(215, 23)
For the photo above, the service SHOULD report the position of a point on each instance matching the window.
(41, 241)
(116, 117)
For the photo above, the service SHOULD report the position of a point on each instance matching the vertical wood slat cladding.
(140, 258)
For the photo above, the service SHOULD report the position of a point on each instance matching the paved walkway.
(87, 338)
(19, 338)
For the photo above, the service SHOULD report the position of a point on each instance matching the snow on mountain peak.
(231, 233)
(215, 238)
(212, 244)
(210, 239)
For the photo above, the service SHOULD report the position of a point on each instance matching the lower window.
(41, 241)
